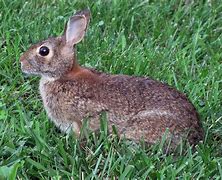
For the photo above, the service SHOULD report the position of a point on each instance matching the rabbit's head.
(54, 57)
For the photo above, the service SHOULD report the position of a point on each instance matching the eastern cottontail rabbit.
(140, 108)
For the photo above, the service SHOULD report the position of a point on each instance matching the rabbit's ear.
(75, 29)
(86, 13)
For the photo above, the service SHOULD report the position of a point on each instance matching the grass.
(177, 43)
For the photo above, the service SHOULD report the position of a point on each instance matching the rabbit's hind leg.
(151, 131)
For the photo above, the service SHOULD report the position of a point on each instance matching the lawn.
(175, 42)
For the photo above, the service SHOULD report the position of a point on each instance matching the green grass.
(167, 40)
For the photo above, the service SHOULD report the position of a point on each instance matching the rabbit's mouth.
(27, 75)
(29, 72)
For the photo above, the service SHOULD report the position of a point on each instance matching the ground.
(176, 42)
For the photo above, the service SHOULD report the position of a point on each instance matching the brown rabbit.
(140, 108)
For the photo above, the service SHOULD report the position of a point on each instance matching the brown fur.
(139, 107)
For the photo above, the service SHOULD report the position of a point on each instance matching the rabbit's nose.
(23, 62)
(22, 58)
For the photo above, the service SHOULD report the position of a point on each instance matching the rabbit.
(139, 107)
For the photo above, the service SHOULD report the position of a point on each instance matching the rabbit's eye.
(44, 51)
